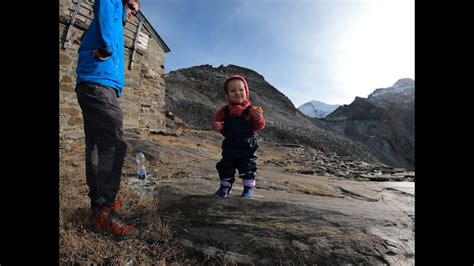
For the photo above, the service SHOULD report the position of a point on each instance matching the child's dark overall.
(239, 151)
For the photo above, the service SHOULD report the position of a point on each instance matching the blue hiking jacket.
(105, 32)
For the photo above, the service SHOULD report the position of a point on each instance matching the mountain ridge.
(317, 109)
(195, 93)
(383, 122)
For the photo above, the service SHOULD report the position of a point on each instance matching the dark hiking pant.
(105, 142)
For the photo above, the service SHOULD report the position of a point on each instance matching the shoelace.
(116, 218)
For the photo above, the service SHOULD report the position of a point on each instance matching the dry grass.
(80, 243)
(156, 244)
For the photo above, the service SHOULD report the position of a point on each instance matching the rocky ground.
(309, 208)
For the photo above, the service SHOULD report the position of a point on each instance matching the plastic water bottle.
(141, 171)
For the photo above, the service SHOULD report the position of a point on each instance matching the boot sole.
(127, 236)
(108, 235)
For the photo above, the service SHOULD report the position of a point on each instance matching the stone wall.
(143, 97)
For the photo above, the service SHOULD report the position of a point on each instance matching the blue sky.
(325, 50)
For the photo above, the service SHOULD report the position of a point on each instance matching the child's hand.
(257, 113)
(218, 126)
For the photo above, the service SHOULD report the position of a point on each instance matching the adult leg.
(104, 118)
(91, 166)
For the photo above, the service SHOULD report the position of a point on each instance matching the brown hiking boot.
(118, 203)
(111, 222)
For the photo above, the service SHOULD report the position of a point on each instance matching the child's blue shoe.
(223, 191)
(248, 192)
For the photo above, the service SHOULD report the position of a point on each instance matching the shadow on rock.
(265, 232)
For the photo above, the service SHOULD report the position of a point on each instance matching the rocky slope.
(384, 123)
(310, 207)
(194, 94)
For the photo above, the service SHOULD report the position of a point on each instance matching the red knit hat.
(247, 92)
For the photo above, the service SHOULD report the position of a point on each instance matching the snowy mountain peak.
(403, 88)
(406, 82)
(317, 109)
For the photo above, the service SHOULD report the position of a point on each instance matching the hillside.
(310, 208)
(194, 94)
(384, 123)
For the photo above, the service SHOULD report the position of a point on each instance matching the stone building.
(143, 97)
